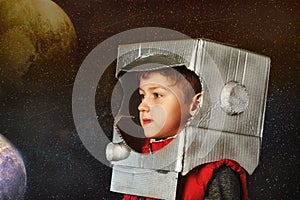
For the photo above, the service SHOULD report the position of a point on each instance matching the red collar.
(151, 147)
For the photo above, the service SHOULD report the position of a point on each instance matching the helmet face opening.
(128, 122)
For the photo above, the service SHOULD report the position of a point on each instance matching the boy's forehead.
(152, 87)
(156, 78)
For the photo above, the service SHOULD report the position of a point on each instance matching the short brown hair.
(182, 78)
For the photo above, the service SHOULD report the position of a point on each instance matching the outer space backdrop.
(36, 99)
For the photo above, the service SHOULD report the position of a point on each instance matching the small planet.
(12, 172)
(37, 43)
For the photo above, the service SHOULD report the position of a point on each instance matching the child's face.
(163, 110)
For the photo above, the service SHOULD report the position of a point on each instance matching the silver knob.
(234, 98)
(117, 151)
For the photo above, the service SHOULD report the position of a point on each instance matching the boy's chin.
(152, 135)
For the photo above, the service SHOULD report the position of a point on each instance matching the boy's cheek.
(159, 114)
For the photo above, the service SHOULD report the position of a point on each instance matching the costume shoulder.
(224, 184)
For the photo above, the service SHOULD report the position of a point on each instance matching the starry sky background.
(40, 124)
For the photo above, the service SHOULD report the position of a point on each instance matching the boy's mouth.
(147, 121)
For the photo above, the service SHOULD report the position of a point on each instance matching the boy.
(169, 98)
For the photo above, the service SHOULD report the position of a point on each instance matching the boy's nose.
(144, 106)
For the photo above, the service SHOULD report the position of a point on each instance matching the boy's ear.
(196, 102)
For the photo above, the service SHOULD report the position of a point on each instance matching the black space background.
(40, 124)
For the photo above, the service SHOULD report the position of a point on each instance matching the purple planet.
(12, 172)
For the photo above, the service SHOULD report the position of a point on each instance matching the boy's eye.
(157, 95)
